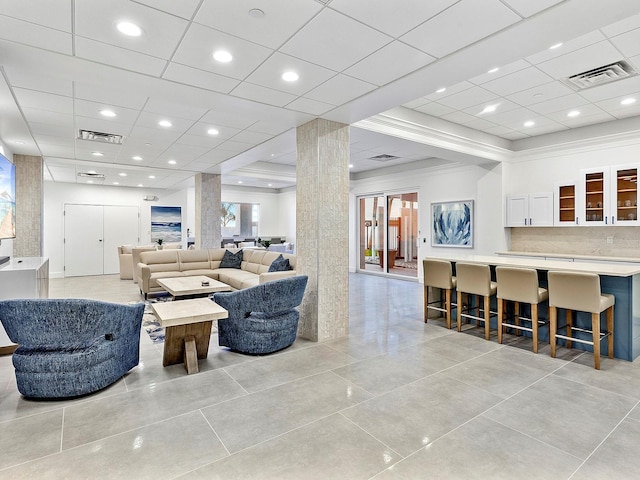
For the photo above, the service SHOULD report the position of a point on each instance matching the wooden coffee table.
(187, 329)
(192, 286)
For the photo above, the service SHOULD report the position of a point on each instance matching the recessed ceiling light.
(89, 181)
(152, 176)
(440, 90)
(489, 108)
(222, 56)
(628, 101)
(147, 144)
(239, 181)
(493, 70)
(18, 142)
(122, 174)
(97, 154)
(107, 113)
(256, 13)
(270, 185)
(290, 76)
(351, 165)
(136, 157)
(140, 185)
(273, 154)
(213, 131)
(116, 183)
(573, 113)
(171, 162)
(555, 45)
(530, 123)
(129, 29)
(165, 123)
(92, 172)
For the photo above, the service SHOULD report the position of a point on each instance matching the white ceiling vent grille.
(601, 75)
(383, 158)
(92, 175)
(100, 137)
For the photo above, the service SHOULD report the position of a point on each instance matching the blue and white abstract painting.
(452, 224)
(166, 223)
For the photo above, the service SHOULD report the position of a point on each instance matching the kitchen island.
(618, 278)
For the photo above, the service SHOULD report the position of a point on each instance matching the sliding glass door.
(388, 234)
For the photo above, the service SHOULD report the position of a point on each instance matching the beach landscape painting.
(166, 224)
(452, 224)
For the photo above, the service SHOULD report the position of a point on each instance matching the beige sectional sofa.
(179, 263)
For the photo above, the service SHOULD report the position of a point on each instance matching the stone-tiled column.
(28, 241)
(322, 228)
(208, 210)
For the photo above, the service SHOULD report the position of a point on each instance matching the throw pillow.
(280, 264)
(231, 260)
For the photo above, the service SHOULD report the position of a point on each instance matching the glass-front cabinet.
(566, 204)
(610, 196)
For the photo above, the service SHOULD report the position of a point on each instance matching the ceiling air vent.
(93, 175)
(100, 137)
(601, 75)
(383, 158)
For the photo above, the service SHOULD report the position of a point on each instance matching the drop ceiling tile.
(328, 40)
(150, 120)
(459, 117)
(140, 136)
(92, 109)
(627, 86)
(282, 19)
(183, 8)
(96, 19)
(228, 119)
(567, 46)
(587, 119)
(42, 12)
(514, 135)
(543, 129)
(513, 118)
(614, 107)
(339, 89)
(622, 26)
(253, 138)
(526, 8)
(498, 130)
(183, 153)
(449, 90)
(480, 124)
(383, 66)
(115, 97)
(418, 102)
(464, 23)
(34, 80)
(199, 141)
(44, 101)
(52, 129)
(307, 105)
(199, 78)
(628, 43)
(587, 58)
(269, 74)
(502, 105)
(502, 71)
(200, 129)
(69, 141)
(119, 57)
(262, 94)
(199, 43)
(435, 109)
(173, 109)
(468, 98)
(517, 81)
(272, 128)
(391, 17)
(234, 147)
(35, 35)
(587, 110)
(559, 104)
(47, 116)
(540, 93)
(628, 111)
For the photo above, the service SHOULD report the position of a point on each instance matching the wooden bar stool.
(520, 285)
(475, 279)
(580, 292)
(438, 274)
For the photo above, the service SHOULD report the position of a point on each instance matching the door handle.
(100, 240)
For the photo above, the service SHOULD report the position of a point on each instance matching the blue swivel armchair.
(71, 347)
(262, 319)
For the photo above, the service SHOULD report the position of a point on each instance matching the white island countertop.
(614, 269)
(597, 258)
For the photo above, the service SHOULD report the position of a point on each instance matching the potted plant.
(159, 242)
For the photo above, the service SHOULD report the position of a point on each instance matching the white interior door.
(121, 227)
(83, 240)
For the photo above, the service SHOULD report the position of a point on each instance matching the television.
(7, 198)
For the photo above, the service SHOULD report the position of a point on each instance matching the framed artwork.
(166, 224)
(452, 224)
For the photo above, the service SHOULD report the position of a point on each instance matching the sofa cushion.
(194, 260)
(231, 260)
(126, 249)
(280, 264)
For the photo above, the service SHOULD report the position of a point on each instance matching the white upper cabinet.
(530, 210)
(566, 204)
(609, 196)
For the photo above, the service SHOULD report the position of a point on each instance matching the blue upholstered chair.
(262, 319)
(71, 347)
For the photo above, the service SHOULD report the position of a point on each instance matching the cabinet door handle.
(605, 220)
(525, 221)
(576, 220)
(613, 219)
(530, 222)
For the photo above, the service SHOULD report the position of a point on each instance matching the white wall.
(483, 185)
(58, 194)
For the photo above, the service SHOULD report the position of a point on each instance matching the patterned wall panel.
(208, 192)
(28, 241)
(322, 227)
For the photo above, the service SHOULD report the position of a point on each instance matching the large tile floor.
(397, 399)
